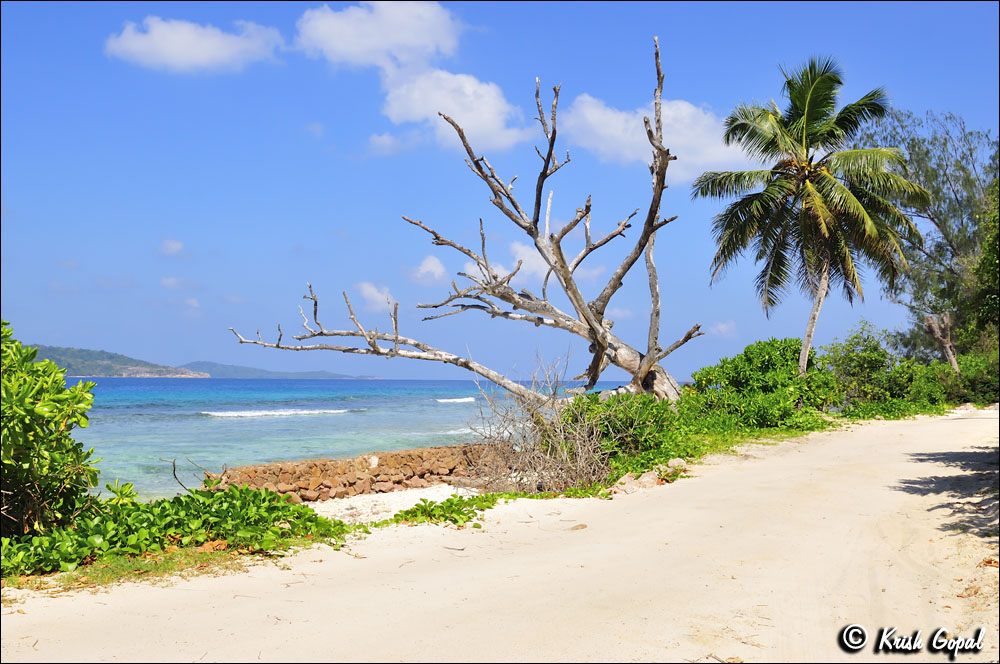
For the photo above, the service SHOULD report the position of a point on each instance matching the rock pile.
(322, 479)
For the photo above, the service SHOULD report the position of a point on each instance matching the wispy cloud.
(724, 329)
(114, 283)
(316, 129)
(169, 247)
(172, 283)
(185, 47)
(192, 302)
(60, 288)
(377, 298)
(692, 133)
(69, 264)
(620, 313)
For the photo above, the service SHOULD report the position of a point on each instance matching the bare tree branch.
(492, 294)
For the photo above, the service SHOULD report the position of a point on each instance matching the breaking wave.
(281, 412)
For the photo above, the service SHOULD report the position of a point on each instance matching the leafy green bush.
(251, 519)
(980, 377)
(46, 475)
(761, 385)
(861, 366)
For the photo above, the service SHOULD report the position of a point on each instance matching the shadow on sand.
(970, 498)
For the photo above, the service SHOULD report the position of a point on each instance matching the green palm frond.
(891, 216)
(840, 198)
(849, 119)
(891, 185)
(862, 162)
(762, 133)
(816, 208)
(739, 223)
(773, 278)
(812, 94)
(725, 184)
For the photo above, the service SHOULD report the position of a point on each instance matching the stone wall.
(322, 479)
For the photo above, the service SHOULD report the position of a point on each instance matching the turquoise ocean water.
(137, 425)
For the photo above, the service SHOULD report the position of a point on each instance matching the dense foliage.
(46, 475)
(759, 393)
(871, 379)
(238, 518)
(985, 300)
(956, 165)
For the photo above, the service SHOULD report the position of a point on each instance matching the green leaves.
(46, 475)
(248, 519)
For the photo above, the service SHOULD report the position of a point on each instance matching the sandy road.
(764, 556)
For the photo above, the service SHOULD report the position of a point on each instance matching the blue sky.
(170, 170)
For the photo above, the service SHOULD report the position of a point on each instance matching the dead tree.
(940, 329)
(490, 292)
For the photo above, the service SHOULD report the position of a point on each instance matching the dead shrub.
(528, 446)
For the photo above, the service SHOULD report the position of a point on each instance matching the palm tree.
(821, 210)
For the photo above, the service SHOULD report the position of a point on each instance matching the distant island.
(102, 364)
(216, 370)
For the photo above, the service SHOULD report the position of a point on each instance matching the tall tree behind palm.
(821, 211)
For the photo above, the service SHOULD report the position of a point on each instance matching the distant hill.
(83, 362)
(216, 370)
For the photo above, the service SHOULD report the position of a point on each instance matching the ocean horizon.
(140, 426)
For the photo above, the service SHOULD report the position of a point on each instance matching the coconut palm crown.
(821, 211)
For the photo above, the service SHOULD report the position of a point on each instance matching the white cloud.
(589, 272)
(171, 282)
(69, 264)
(192, 302)
(234, 299)
(724, 329)
(316, 129)
(377, 298)
(386, 143)
(182, 46)
(691, 133)
(171, 247)
(532, 263)
(620, 313)
(380, 34)
(401, 39)
(430, 269)
(480, 108)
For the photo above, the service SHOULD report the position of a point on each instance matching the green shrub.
(46, 475)
(762, 385)
(980, 377)
(861, 366)
(250, 519)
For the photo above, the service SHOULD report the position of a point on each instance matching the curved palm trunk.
(824, 285)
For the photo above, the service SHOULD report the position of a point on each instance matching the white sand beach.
(760, 556)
